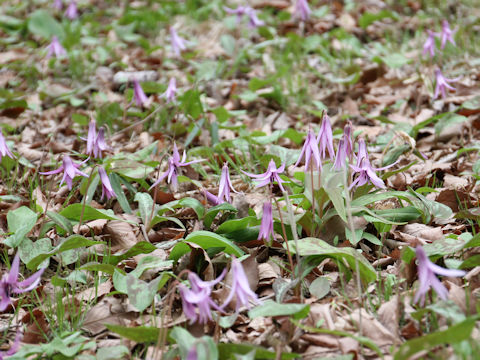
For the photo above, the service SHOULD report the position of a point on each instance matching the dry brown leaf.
(389, 315)
(423, 231)
(121, 234)
(372, 328)
(110, 310)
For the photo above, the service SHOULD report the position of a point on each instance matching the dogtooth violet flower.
(95, 142)
(4, 150)
(446, 34)
(71, 12)
(429, 45)
(366, 172)
(174, 163)
(9, 283)
(192, 354)
(253, 20)
(171, 92)
(325, 138)
(223, 189)
(309, 149)
(266, 226)
(138, 94)
(58, 4)
(345, 148)
(14, 348)
(302, 10)
(178, 43)
(428, 279)
(198, 297)
(268, 177)
(55, 48)
(441, 84)
(240, 288)
(107, 189)
(69, 169)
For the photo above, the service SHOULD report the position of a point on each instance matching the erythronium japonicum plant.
(429, 45)
(223, 189)
(302, 10)
(4, 150)
(138, 95)
(171, 92)
(441, 84)
(309, 149)
(96, 142)
(427, 278)
(107, 189)
(270, 176)
(9, 283)
(446, 34)
(253, 20)
(325, 138)
(69, 169)
(266, 226)
(14, 348)
(55, 48)
(178, 43)
(72, 12)
(174, 163)
(345, 149)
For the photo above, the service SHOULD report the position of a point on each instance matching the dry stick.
(84, 201)
(352, 231)
(313, 200)
(290, 260)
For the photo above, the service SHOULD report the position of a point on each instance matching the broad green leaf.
(320, 287)
(184, 203)
(314, 246)
(142, 247)
(29, 249)
(454, 334)
(448, 120)
(141, 293)
(113, 352)
(207, 239)
(145, 206)
(369, 18)
(213, 211)
(20, 221)
(140, 334)
(41, 23)
(61, 221)
(187, 341)
(74, 212)
(228, 351)
(72, 242)
(122, 199)
(272, 308)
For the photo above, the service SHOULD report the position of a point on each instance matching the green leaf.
(313, 246)
(145, 204)
(213, 211)
(227, 351)
(29, 249)
(142, 247)
(272, 308)
(122, 199)
(61, 221)
(141, 293)
(320, 287)
(105, 268)
(140, 334)
(190, 103)
(20, 221)
(113, 352)
(74, 212)
(70, 243)
(447, 121)
(454, 334)
(41, 23)
(184, 203)
(369, 18)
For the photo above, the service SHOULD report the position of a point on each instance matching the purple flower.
(268, 177)
(223, 189)
(442, 83)
(107, 189)
(170, 93)
(447, 34)
(325, 138)
(427, 278)
(70, 170)
(138, 94)
(4, 150)
(429, 45)
(95, 143)
(302, 10)
(14, 348)
(192, 354)
(71, 13)
(9, 283)
(197, 297)
(178, 44)
(240, 288)
(310, 147)
(345, 148)
(57, 4)
(174, 163)
(253, 20)
(266, 226)
(55, 48)
(366, 173)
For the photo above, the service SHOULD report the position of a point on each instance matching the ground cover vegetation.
(233, 179)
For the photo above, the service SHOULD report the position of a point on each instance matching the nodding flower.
(171, 92)
(253, 20)
(446, 34)
(429, 45)
(69, 169)
(302, 10)
(442, 83)
(178, 43)
(325, 138)
(223, 189)
(96, 144)
(4, 150)
(55, 48)
(138, 94)
(72, 11)
(310, 148)
(270, 176)
(266, 226)
(107, 189)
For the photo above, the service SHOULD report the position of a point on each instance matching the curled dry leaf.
(108, 311)
(122, 235)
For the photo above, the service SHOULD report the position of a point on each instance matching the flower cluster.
(197, 302)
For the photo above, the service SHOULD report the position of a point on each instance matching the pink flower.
(174, 163)
(302, 10)
(107, 189)
(71, 13)
(442, 83)
(366, 173)
(9, 283)
(170, 93)
(69, 169)
(223, 189)
(138, 94)
(325, 138)
(178, 43)
(266, 226)
(427, 278)
(14, 348)
(345, 148)
(4, 150)
(57, 4)
(253, 20)
(270, 176)
(239, 11)
(310, 147)
(447, 34)
(96, 143)
(55, 48)
(240, 288)
(197, 303)
(429, 45)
